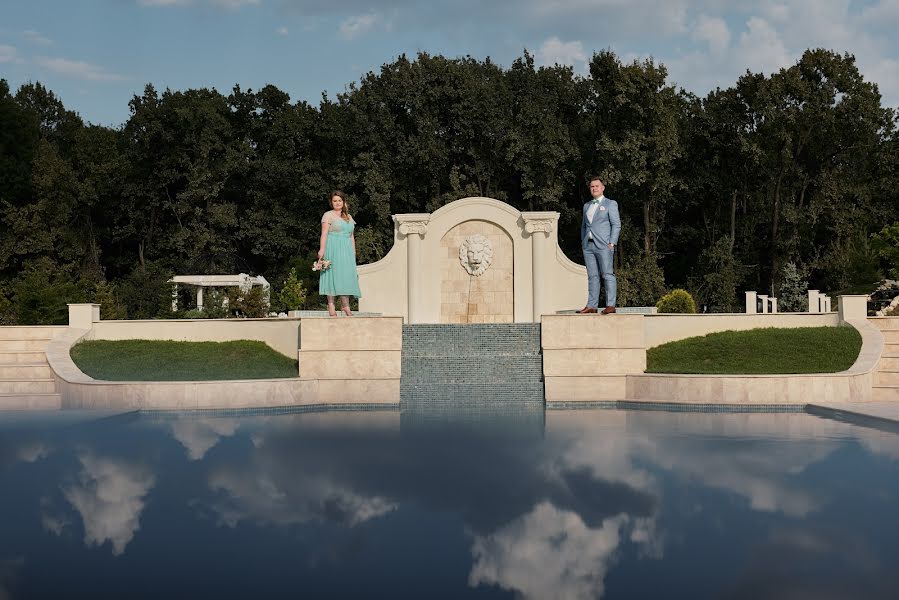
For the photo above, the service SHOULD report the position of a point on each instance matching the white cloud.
(8, 54)
(77, 69)
(36, 38)
(164, 2)
(357, 25)
(109, 496)
(234, 4)
(547, 553)
(198, 436)
(713, 31)
(555, 51)
(33, 451)
(761, 47)
(281, 31)
(259, 498)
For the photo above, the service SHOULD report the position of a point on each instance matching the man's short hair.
(593, 178)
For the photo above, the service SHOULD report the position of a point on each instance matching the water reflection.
(577, 504)
(109, 495)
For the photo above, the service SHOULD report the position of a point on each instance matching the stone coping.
(852, 385)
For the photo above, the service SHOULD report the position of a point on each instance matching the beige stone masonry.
(356, 333)
(81, 391)
(485, 298)
(850, 386)
(568, 331)
(350, 364)
(352, 360)
(280, 334)
(587, 357)
(26, 380)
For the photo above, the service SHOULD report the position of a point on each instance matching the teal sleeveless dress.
(341, 279)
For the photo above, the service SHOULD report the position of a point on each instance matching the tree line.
(788, 173)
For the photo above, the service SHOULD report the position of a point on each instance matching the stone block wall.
(487, 298)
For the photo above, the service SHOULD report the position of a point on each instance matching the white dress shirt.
(591, 212)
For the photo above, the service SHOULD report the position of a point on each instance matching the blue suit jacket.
(606, 225)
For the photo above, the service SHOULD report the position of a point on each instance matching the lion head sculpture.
(476, 254)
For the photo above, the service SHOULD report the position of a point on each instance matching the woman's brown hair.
(345, 211)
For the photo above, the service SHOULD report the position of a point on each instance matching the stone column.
(853, 307)
(773, 305)
(764, 300)
(200, 298)
(813, 304)
(83, 316)
(413, 226)
(539, 225)
(751, 300)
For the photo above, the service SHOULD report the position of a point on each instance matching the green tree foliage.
(793, 294)
(641, 281)
(886, 245)
(722, 276)
(676, 301)
(293, 292)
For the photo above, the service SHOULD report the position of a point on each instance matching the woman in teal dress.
(338, 245)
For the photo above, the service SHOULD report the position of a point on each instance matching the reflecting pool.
(408, 504)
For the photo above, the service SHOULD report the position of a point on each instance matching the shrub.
(293, 292)
(252, 303)
(677, 301)
(722, 276)
(41, 292)
(640, 281)
(793, 294)
(146, 292)
(107, 296)
(886, 245)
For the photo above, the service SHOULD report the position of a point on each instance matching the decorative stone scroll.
(418, 227)
(535, 225)
(476, 254)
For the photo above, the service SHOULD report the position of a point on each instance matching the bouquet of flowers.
(321, 265)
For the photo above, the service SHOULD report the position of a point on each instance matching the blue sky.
(96, 54)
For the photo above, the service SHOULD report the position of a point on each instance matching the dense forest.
(789, 179)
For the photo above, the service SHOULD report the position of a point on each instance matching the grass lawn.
(759, 351)
(152, 360)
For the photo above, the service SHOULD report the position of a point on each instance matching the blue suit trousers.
(599, 264)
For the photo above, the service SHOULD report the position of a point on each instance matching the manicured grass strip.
(152, 360)
(759, 351)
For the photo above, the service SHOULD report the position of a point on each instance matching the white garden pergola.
(200, 282)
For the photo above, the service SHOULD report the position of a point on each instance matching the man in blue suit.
(600, 227)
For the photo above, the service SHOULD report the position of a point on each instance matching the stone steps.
(27, 386)
(884, 323)
(472, 365)
(30, 402)
(26, 380)
(30, 333)
(25, 371)
(24, 345)
(18, 358)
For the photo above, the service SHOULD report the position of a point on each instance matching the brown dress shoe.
(587, 310)
(608, 310)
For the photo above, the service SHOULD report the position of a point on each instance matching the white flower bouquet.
(321, 265)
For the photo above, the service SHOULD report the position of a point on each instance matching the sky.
(95, 55)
